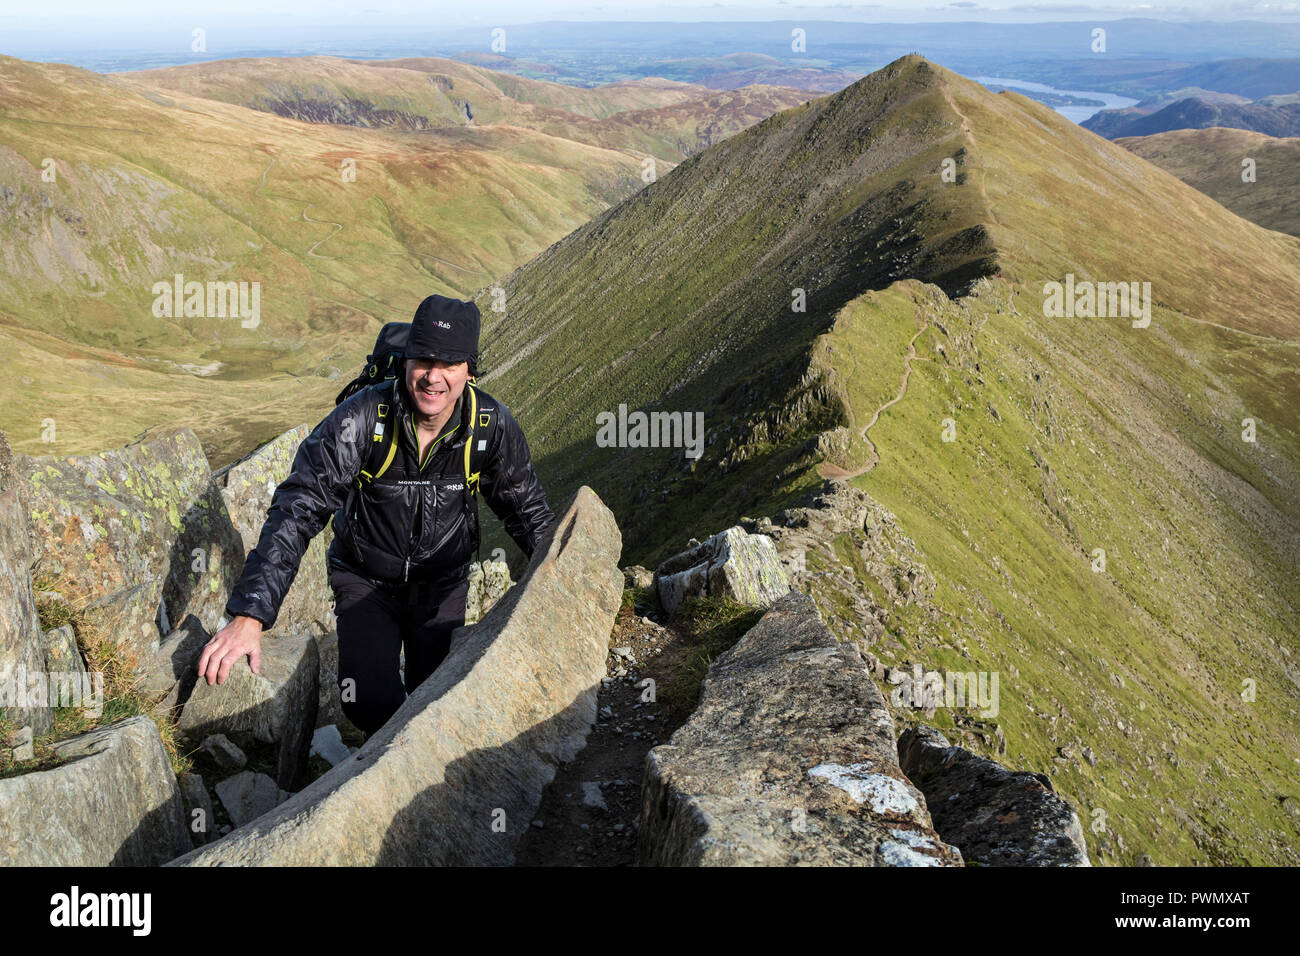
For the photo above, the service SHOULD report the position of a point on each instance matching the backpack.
(381, 364)
(384, 364)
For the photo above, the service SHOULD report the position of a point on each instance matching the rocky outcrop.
(111, 525)
(22, 648)
(789, 759)
(167, 538)
(861, 563)
(148, 535)
(276, 706)
(247, 487)
(114, 803)
(456, 774)
(733, 564)
(997, 817)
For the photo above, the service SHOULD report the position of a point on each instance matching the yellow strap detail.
(471, 481)
(388, 459)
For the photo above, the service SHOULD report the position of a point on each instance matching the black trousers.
(375, 622)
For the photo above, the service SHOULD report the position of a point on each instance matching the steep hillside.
(656, 117)
(1211, 160)
(1096, 531)
(654, 302)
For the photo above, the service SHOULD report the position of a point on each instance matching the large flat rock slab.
(789, 759)
(455, 776)
(115, 803)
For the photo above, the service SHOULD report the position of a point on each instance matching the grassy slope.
(681, 297)
(1109, 437)
(1210, 160)
(1072, 434)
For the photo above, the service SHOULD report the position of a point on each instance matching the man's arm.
(324, 468)
(511, 487)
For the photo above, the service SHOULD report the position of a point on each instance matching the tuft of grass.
(60, 601)
(710, 626)
(647, 597)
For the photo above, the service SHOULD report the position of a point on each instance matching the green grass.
(1015, 585)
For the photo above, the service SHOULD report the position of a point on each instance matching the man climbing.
(392, 464)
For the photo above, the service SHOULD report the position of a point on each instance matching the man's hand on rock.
(228, 646)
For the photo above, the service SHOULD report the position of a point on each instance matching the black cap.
(445, 329)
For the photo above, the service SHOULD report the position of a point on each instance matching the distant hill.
(1277, 117)
(653, 116)
(1211, 160)
(733, 70)
(1253, 78)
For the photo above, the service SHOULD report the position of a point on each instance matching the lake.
(1076, 114)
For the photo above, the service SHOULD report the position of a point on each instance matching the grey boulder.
(996, 816)
(115, 802)
(732, 564)
(276, 706)
(248, 795)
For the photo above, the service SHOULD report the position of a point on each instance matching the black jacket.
(409, 525)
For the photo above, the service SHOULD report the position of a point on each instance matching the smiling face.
(434, 386)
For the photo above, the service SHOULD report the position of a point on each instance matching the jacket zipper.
(406, 423)
(409, 429)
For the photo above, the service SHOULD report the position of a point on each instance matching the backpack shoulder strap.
(482, 423)
(383, 440)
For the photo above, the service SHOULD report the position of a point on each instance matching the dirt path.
(828, 470)
(446, 262)
(338, 228)
(589, 813)
(970, 139)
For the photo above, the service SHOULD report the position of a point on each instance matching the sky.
(18, 13)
